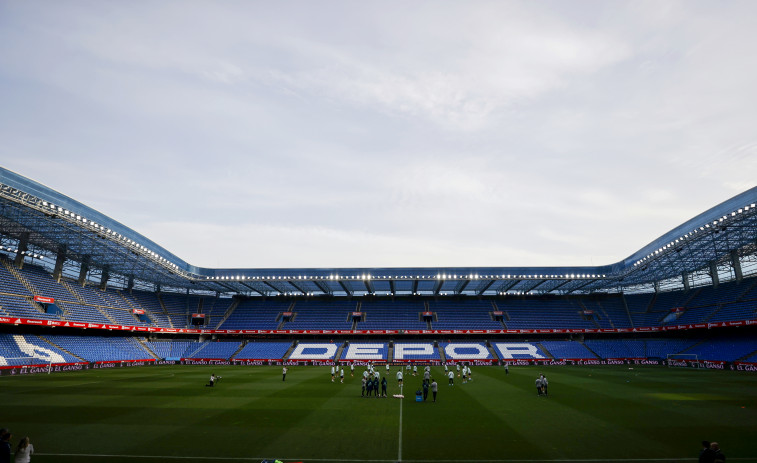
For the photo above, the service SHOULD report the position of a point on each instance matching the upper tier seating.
(335, 315)
(474, 314)
(389, 315)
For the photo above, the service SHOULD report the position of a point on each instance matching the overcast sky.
(367, 134)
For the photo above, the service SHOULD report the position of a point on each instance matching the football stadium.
(378, 232)
(109, 342)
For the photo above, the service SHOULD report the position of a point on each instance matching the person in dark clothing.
(383, 386)
(5, 447)
(425, 390)
(362, 391)
(706, 455)
(718, 456)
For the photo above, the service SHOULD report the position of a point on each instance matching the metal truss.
(723, 240)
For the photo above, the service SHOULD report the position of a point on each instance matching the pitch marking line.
(257, 459)
(399, 451)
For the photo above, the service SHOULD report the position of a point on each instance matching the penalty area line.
(257, 459)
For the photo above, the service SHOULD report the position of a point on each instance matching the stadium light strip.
(717, 222)
(49, 207)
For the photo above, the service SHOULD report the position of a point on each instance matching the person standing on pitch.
(352, 369)
(470, 374)
(212, 380)
(333, 373)
(383, 386)
(507, 368)
(341, 375)
(458, 369)
(24, 451)
(362, 391)
(451, 376)
(284, 373)
(544, 384)
(387, 368)
(434, 388)
(427, 375)
(415, 370)
(538, 386)
(399, 377)
(425, 389)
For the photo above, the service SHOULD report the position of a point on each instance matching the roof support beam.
(322, 287)
(298, 288)
(461, 287)
(344, 287)
(714, 274)
(60, 259)
(252, 288)
(437, 287)
(391, 287)
(415, 286)
(507, 285)
(84, 269)
(369, 286)
(588, 282)
(736, 263)
(486, 286)
(23, 246)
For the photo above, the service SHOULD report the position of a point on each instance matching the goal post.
(684, 361)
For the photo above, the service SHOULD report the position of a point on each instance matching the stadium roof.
(41, 225)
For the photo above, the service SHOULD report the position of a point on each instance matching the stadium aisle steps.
(590, 350)
(492, 350)
(228, 312)
(143, 343)
(746, 357)
(545, 350)
(442, 355)
(289, 351)
(60, 348)
(236, 352)
(12, 269)
(339, 350)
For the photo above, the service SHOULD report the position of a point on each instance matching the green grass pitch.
(165, 413)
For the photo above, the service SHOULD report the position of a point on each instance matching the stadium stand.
(315, 315)
(567, 350)
(263, 350)
(100, 348)
(256, 315)
(389, 315)
(474, 314)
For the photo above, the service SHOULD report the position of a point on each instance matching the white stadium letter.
(401, 350)
(37, 352)
(322, 351)
(364, 352)
(451, 351)
(508, 349)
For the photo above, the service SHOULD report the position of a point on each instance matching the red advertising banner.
(286, 314)
(428, 314)
(45, 300)
(357, 314)
(152, 329)
(138, 311)
(498, 313)
(198, 315)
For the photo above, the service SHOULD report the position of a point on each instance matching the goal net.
(684, 361)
